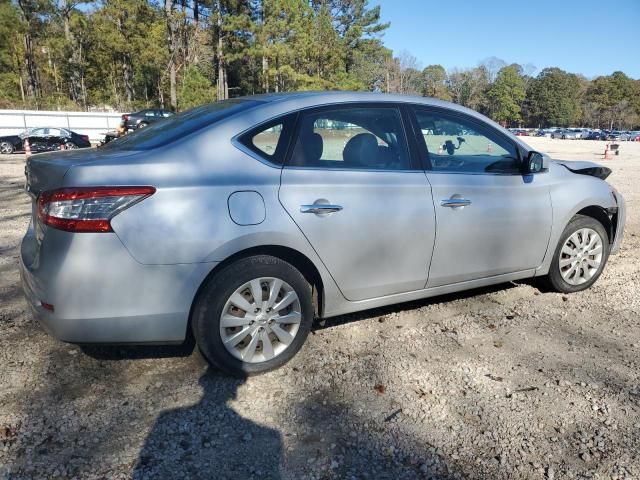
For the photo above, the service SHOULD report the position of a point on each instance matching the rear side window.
(178, 126)
(361, 138)
(270, 140)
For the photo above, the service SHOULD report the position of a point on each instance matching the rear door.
(352, 189)
(54, 138)
(491, 219)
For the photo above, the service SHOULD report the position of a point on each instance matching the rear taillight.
(87, 209)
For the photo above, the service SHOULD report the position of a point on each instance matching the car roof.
(335, 96)
(283, 102)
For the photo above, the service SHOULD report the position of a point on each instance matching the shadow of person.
(209, 440)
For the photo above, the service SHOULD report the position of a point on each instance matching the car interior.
(351, 139)
(456, 147)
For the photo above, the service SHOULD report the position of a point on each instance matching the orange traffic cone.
(607, 153)
(27, 147)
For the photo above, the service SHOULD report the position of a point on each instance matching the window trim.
(398, 107)
(243, 140)
(484, 128)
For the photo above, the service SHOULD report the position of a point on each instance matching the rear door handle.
(455, 202)
(320, 208)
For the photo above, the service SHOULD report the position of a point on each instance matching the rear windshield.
(178, 126)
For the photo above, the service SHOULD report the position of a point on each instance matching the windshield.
(177, 126)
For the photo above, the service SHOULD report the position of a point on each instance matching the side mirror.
(536, 162)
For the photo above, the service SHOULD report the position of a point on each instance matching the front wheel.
(6, 148)
(580, 256)
(253, 316)
(142, 124)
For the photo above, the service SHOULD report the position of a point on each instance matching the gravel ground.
(499, 383)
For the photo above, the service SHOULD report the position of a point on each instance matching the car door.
(491, 219)
(38, 139)
(352, 189)
(54, 139)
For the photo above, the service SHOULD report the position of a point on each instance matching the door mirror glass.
(535, 163)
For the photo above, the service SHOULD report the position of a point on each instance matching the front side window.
(351, 138)
(455, 144)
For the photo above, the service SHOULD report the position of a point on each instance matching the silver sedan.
(244, 220)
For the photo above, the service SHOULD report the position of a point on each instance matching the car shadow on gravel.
(138, 352)
(210, 440)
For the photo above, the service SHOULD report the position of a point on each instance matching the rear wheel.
(580, 256)
(142, 124)
(71, 146)
(6, 148)
(253, 316)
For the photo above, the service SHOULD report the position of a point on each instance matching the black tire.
(70, 146)
(142, 124)
(554, 278)
(205, 320)
(553, 136)
(6, 148)
(564, 137)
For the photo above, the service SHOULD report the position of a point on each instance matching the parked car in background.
(618, 136)
(53, 138)
(545, 132)
(292, 207)
(634, 136)
(565, 133)
(43, 139)
(521, 132)
(597, 135)
(143, 118)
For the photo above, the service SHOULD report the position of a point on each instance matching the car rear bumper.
(621, 217)
(100, 294)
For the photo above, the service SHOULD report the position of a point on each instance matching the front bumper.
(621, 217)
(100, 294)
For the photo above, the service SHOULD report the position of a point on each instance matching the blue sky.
(592, 37)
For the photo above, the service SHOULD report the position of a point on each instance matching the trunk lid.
(46, 171)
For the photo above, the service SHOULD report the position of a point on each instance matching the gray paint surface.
(392, 242)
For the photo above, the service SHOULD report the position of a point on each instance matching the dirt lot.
(502, 383)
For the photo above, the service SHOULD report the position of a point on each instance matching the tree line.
(130, 54)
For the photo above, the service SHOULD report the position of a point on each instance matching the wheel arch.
(601, 215)
(288, 254)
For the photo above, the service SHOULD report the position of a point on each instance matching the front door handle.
(320, 208)
(455, 202)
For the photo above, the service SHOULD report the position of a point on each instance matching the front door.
(351, 188)
(38, 140)
(491, 219)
